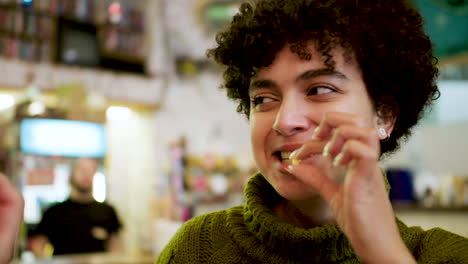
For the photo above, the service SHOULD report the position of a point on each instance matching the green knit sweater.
(251, 233)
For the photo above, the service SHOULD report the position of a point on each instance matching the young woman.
(328, 86)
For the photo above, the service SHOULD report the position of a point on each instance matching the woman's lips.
(282, 165)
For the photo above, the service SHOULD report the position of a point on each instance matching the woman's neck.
(305, 214)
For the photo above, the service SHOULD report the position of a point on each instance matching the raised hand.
(352, 183)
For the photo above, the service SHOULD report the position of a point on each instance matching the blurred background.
(128, 82)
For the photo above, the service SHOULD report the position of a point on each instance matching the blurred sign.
(218, 14)
(40, 176)
(446, 23)
(54, 137)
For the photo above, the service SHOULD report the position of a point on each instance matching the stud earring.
(383, 133)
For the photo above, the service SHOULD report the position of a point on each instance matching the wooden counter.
(99, 258)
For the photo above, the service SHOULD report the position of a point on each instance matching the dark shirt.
(73, 227)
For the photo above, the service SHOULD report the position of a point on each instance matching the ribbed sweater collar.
(264, 236)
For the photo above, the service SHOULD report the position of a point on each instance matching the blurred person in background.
(328, 86)
(11, 213)
(80, 224)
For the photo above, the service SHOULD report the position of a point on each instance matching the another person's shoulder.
(103, 206)
(56, 207)
(107, 213)
(440, 246)
(52, 215)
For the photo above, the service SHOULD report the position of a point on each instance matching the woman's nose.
(291, 118)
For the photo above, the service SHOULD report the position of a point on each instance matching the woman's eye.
(320, 90)
(261, 100)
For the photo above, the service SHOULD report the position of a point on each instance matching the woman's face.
(288, 100)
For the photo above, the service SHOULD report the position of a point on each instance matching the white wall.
(454, 222)
(200, 111)
(131, 164)
(442, 149)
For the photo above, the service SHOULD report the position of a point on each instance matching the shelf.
(42, 24)
(124, 57)
(10, 5)
(23, 36)
(416, 208)
(122, 27)
(18, 6)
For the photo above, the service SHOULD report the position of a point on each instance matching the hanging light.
(99, 187)
(6, 101)
(115, 11)
(26, 2)
(36, 108)
(118, 112)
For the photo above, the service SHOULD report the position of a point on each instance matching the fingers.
(354, 150)
(333, 132)
(344, 141)
(8, 193)
(308, 149)
(368, 136)
(332, 120)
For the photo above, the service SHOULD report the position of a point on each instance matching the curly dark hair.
(385, 38)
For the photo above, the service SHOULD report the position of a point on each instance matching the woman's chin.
(289, 187)
(298, 195)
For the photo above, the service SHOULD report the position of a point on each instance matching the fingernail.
(314, 135)
(326, 149)
(337, 160)
(293, 154)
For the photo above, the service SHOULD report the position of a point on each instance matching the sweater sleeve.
(184, 245)
(440, 246)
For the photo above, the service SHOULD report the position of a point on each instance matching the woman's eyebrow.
(320, 72)
(310, 74)
(261, 83)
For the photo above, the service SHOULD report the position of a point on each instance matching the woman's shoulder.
(198, 223)
(440, 244)
(201, 222)
(443, 239)
(196, 235)
(435, 245)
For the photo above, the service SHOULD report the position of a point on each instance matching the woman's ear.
(385, 121)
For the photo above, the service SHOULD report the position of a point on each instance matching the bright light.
(118, 112)
(115, 8)
(6, 101)
(115, 12)
(99, 187)
(36, 108)
(56, 137)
